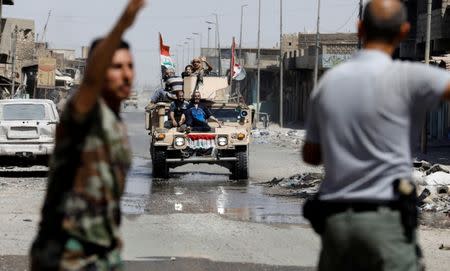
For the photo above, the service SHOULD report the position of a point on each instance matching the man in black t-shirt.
(177, 109)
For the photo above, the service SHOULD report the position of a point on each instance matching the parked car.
(131, 101)
(27, 131)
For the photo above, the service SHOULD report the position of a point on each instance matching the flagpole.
(232, 63)
(160, 41)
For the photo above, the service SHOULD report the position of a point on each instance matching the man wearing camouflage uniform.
(80, 222)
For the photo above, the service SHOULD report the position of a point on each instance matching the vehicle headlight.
(222, 141)
(180, 141)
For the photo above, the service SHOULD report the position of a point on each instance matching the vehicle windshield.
(23, 112)
(226, 114)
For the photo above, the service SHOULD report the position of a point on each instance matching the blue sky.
(75, 23)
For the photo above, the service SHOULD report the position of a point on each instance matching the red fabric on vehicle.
(201, 136)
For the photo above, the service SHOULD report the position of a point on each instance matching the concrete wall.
(69, 54)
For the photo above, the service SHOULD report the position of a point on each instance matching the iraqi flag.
(166, 60)
(237, 72)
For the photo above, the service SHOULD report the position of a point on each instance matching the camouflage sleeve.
(70, 136)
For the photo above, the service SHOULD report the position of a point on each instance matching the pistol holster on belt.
(313, 210)
(407, 205)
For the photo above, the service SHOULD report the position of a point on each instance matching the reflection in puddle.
(205, 193)
(178, 207)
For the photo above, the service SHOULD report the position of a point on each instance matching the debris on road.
(279, 136)
(433, 186)
(444, 247)
(303, 185)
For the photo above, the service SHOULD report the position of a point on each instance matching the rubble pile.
(433, 186)
(303, 185)
(279, 137)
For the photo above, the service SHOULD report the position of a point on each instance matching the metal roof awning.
(8, 2)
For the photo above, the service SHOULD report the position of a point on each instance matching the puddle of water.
(205, 193)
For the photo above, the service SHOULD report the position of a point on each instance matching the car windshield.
(227, 114)
(23, 112)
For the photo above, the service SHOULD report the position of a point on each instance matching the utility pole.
(209, 41)
(1, 17)
(215, 37)
(258, 82)
(316, 64)
(360, 19)
(181, 66)
(201, 41)
(13, 59)
(45, 26)
(187, 55)
(238, 83)
(281, 64)
(218, 43)
(424, 139)
(193, 48)
(240, 34)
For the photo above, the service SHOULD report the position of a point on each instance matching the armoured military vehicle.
(227, 145)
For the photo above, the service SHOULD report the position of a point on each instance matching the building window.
(290, 43)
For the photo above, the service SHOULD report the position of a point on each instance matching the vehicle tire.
(152, 150)
(160, 168)
(240, 167)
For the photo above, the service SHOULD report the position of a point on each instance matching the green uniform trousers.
(372, 240)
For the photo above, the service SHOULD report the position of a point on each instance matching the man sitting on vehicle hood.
(177, 109)
(197, 115)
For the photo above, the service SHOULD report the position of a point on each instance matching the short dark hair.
(383, 29)
(123, 45)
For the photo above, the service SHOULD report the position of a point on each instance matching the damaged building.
(414, 49)
(299, 61)
(16, 51)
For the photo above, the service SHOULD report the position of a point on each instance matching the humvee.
(227, 145)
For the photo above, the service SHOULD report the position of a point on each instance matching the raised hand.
(131, 11)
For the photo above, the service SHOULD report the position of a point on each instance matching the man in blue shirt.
(197, 115)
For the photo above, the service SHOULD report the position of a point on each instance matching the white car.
(131, 101)
(27, 131)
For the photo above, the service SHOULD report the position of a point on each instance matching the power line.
(348, 20)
